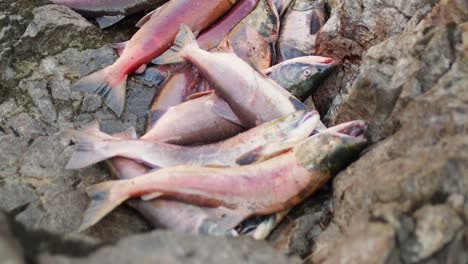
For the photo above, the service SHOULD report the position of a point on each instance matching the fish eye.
(266, 10)
(307, 73)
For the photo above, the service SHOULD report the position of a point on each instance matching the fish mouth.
(353, 129)
(309, 116)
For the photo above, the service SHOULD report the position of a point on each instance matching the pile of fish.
(229, 146)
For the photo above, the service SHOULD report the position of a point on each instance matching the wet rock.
(435, 227)
(52, 26)
(166, 247)
(297, 233)
(406, 181)
(10, 249)
(354, 27)
(371, 243)
(91, 103)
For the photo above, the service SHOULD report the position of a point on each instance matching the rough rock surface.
(413, 88)
(404, 69)
(354, 27)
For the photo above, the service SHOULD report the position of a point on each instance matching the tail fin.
(86, 153)
(103, 83)
(102, 203)
(175, 54)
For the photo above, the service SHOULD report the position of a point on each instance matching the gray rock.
(407, 179)
(354, 27)
(435, 227)
(372, 243)
(91, 103)
(171, 248)
(10, 249)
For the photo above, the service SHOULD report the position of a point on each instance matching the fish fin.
(151, 196)
(225, 46)
(298, 105)
(86, 152)
(222, 222)
(147, 17)
(91, 126)
(222, 109)
(175, 54)
(264, 228)
(198, 95)
(102, 203)
(100, 83)
(107, 21)
(154, 116)
(264, 152)
(119, 47)
(141, 69)
(130, 133)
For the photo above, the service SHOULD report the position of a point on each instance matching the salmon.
(210, 119)
(94, 146)
(252, 96)
(153, 38)
(299, 29)
(263, 188)
(173, 215)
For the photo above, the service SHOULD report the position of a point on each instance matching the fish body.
(254, 38)
(299, 29)
(173, 215)
(253, 97)
(209, 119)
(95, 146)
(153, 38)
(263, 188)
(300, 76)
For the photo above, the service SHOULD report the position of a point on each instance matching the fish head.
(334, 148)
(297, 125)
(302, 75)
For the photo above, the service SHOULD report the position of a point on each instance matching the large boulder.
(409, 191)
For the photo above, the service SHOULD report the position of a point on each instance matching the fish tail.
(103, 201)
(88, 149)
(105, 83)
(175, 54)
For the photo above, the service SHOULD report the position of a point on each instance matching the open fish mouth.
(309, 116)
(355, 129)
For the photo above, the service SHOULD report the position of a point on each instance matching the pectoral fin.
(222, 109)
(222, 222)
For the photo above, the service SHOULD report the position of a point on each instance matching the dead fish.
(253, 97)
(261, 228)
(299, 29)
(281, 6)
(254, 38)
(149, 42)
(109, 12)
(173, 215)
(210, 119)
(94, 146)
(300, 76)
(236, 193)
